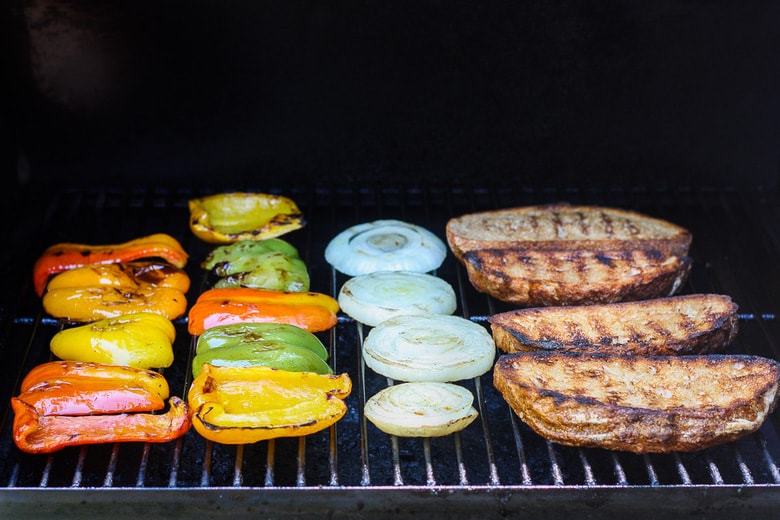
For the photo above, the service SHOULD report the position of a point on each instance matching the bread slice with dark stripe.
(537, 278)
(640, 404)
(565, 227)
(679, 325)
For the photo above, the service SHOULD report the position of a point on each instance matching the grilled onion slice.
(429, 348)
(373, 298)
(421, 409)
(385, 245)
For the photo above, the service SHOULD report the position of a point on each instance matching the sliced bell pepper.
(85, 373)
(229, 217)
(37, 433)
(243, 256)
(233, 405)
(141, 340)
(85, 304)
(259, 333)
(310, 311)
(64, 256)
(125, 274)
(63, 403)
(283, 356)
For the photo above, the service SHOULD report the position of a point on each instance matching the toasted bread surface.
(641, 404)
(679, 325)
(533, 278)
(564, 226)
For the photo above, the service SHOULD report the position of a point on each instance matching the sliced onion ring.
(429, 348)
(421, 409)
(385, 245)
(373, 298)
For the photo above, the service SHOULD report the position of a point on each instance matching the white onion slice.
(373, 298)
(421, 409)
(429, 348)
(385, 245)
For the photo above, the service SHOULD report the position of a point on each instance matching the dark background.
(313, 91)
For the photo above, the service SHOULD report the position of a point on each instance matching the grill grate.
(497, 461)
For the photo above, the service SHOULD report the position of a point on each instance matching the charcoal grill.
(497, 466)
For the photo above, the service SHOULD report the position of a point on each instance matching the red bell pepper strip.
(75, 397)
(153, 381)
(64, 256)
(37, 433)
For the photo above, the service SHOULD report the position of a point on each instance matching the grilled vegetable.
(373, 298)
(271, 264)
(259, 333)
(125, 274)
(65, 403)
(385, 245)
(243, 405)
(86, 304)
(38, 433)
(421, 409)
(225, 218)
(283, 356)
(142, 340)
(65, 256)
(310, 311)
(429, 348)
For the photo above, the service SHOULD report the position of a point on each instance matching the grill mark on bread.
(698, 323)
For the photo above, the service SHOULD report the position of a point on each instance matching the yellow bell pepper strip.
(125, 274)
(64, 256)
(310, 311)
(96, 303)
(259, 333)
(140, 340)
(232, 405)
(38, 433)
(225, 218)
(122, 376)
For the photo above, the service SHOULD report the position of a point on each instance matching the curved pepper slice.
(64, 256)
(74, 397)
(310, 311)
(85, 304)
(141, 340)
(229, 217)
(124, 376)
(233, 405)
(283, 356)
(259, 333)
(125, 274)
(37, 433)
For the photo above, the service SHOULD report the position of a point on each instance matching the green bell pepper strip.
(259, 333)
(241, 256)
(280, 355)
(274, 271)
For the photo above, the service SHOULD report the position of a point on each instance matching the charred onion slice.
(373, 298)
(429, 348)
(385, 245)
(421, 409)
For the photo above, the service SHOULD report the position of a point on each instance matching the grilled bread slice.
(680, 325)
(533, 278)
(565, 227)
(641, 404)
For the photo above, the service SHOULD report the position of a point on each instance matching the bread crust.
(640, 404)
(565, 227)
(678, 325)
(538, 278)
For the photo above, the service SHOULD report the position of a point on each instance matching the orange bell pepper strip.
(152, 381)
(242, 405)
(64, 256)
(310, 311)
(86, 304)
(125, 274)
(37, 433)
(75, 397)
